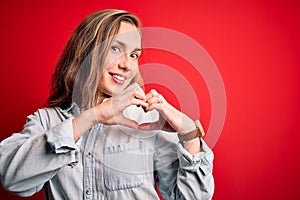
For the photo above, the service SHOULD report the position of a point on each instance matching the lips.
(118, 78)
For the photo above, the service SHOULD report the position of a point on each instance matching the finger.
(155, 99)
(128, 122)
(139, 93)
(134, 89)
(154, 106)
(138, 102)
(154, 92)
(145, 127)
(155, 102)
(149, 95)
(150, 126)
(139, 96)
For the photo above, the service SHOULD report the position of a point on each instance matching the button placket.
(88, 165)
(88, 171)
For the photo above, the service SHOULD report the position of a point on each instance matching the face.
(121, 63)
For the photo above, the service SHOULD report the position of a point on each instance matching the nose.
(125, 63)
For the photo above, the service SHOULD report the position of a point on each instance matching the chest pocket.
(124, 166)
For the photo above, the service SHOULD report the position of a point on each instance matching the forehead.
(129, 35)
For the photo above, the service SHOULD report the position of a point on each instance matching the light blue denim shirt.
(108, 162)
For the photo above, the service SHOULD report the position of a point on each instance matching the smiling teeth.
(120, 78)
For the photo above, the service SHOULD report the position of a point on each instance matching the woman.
(102, 137)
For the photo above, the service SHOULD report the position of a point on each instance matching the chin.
(114, 91)
(111, 90)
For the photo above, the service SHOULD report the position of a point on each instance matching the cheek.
(101, 82)
(134, 71)
(110, 59)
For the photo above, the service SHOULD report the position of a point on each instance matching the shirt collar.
(73, 109)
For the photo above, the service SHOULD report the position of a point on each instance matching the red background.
(255, 45)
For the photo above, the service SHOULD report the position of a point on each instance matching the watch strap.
(198, 132)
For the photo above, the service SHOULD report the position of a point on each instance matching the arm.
(110, 112)
(180, 174)
(171, 120)
(184, 172)
(32, 157)
(194, 178)
(47, 142)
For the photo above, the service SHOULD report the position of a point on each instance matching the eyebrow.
(124, 45)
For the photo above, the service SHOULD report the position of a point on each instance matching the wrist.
(197, 132)
(81, 123)
(101, 112)
(94, 116)
(187, 125)
(90, 116)
(193, 146)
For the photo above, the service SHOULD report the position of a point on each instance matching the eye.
(134, 55)
(116, 49)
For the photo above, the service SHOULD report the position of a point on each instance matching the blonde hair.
(78, 70)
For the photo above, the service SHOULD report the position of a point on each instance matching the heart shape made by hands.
(138, 114)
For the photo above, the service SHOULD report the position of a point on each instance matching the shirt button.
(196, 160)
(88, 155)
(88, 191)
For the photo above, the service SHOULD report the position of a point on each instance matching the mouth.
(118, 78)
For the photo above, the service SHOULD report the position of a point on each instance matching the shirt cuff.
(60, 137)
(202, 160)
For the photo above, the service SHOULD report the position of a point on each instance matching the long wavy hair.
(80, 65)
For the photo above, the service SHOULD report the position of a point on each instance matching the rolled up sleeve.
(47, 141)
(194, 178)
(60, 137)
(182, 175)
(202, 160)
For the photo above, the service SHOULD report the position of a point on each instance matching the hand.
(111, 111)
(170, 118)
